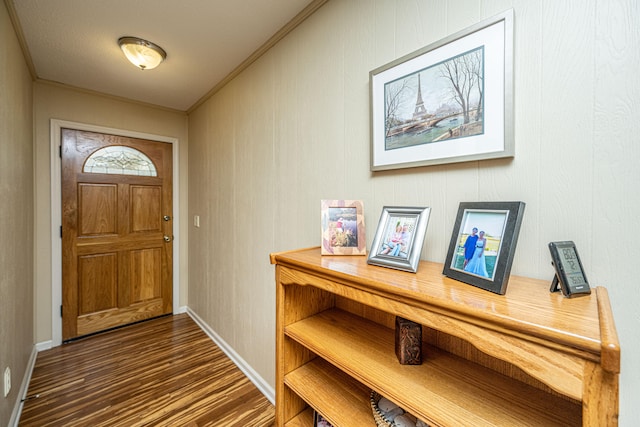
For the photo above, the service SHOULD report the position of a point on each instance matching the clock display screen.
(571, 265)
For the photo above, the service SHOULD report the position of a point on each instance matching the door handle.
(166, 218)
(167, 238)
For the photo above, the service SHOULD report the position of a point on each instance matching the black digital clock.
(570, 277)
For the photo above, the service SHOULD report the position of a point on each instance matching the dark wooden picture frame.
(319, 420)
(483, 244)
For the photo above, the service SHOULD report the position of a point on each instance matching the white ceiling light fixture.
(142, 53)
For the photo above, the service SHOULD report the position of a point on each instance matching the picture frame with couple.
(483, 244)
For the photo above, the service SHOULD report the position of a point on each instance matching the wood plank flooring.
(163, 372)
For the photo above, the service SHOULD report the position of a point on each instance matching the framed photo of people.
(399, 238)
(483, 244)
(343, 231)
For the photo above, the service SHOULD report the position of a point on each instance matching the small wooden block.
(408, 342)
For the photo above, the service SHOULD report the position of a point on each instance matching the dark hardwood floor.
(163, 372)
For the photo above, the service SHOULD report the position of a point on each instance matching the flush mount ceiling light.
(141, 53)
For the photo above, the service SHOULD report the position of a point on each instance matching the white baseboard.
(253, 376)
(24, 387)
(44, 345)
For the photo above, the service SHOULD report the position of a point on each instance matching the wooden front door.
(116, 231)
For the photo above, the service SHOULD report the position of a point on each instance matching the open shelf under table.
(444, 390)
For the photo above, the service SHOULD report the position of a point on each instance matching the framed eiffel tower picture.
(449, 102)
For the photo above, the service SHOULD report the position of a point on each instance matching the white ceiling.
(74, 42)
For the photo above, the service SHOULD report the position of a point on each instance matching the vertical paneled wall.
(294, 129)
(16, 211)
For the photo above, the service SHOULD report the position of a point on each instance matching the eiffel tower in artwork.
(420, 111)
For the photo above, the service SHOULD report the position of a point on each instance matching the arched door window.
(120, 160)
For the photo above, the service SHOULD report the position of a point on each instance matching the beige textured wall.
(16, 211)
(58, 102)
(294, 129)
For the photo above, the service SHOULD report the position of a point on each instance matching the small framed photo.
(483, 244)
(319, 420)
(343, 231)
(399, 237)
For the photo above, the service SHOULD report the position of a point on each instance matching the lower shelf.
(303, 419)
(444, 390)
(349, 400)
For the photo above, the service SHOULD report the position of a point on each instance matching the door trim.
(56, 214)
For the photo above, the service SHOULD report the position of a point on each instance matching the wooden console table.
(529, 357)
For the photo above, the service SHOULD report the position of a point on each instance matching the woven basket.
(377, 414)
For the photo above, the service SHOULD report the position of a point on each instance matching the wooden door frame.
(56, 214)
